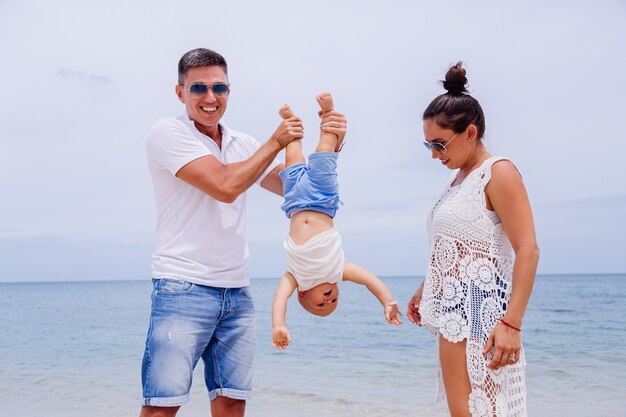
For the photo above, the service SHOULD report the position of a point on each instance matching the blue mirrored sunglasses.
(438, 146)
(219, 89)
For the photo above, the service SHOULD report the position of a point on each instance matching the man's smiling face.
(206, 110)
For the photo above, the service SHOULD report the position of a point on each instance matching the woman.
(475, 292)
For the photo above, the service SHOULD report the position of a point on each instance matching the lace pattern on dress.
(468, 286)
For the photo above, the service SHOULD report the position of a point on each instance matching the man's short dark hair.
(200, 57)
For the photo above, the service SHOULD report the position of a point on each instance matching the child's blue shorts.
(312, 187)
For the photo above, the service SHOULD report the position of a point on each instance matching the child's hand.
(392, 314)
(281, 338)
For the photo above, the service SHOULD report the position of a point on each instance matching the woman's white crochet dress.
(468, 287)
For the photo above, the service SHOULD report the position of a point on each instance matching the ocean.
(72, 349)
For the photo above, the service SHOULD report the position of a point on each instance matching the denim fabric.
(312, 187)
(189, 322)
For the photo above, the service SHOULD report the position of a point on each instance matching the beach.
(74, 349)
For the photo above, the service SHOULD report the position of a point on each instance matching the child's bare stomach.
(308, 223)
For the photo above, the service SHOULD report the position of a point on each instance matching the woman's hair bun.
(455, 81)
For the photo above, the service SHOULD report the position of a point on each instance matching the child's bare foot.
(285, 111)
(325, 100)
(293, 150)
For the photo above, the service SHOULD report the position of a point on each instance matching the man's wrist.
(275, 144)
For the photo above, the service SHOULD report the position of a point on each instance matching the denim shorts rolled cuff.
(165, 401)
(235, 394)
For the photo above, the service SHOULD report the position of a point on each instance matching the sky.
(84, 81)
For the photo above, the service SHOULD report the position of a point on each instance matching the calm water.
(74, 349)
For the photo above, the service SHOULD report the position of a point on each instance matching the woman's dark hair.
(200, 57)
(456, 109)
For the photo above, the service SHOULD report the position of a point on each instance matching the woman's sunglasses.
(438, 146)
(200, 89)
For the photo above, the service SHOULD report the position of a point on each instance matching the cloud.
(10, 231)
(89, 78)
(582, 235)
(596, 203)
(77, 170)
(61, 259)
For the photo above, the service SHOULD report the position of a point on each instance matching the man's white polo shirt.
(199, 239)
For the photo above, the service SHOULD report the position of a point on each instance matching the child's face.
(320, 300)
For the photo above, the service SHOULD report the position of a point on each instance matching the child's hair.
(456, 109)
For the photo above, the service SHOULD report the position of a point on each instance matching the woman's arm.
(507, 195)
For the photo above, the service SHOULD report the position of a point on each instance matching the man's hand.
(392, 314)
(288, 130)
(281, 338)
(334, 122)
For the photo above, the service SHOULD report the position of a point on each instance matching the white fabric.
(468, 286)
(318, 260)
(199, 239)
(493, 216)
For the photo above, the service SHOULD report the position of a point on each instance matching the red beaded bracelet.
(509, 325)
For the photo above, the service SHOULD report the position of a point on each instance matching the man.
(201, 306)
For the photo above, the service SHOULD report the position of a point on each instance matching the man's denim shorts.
(189, 322)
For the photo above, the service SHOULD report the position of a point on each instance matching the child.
(315, 257)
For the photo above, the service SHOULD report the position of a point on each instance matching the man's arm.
(225, 182)
(272, 181)
(280, 336)
(332, 122)
(359, 275)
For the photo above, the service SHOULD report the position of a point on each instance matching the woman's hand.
(508, 346)
(413, 313)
